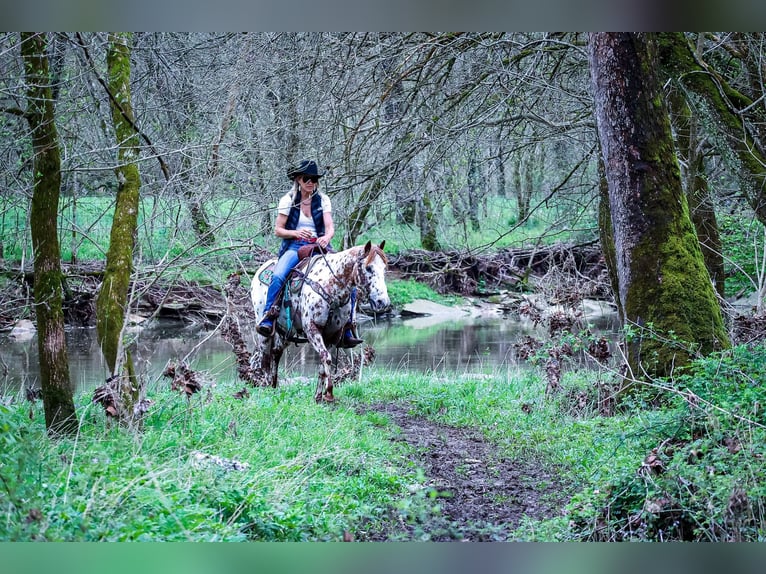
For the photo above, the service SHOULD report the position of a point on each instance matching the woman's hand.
(323, 242)
(303, 234)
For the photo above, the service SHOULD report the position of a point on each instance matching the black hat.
(306, 167)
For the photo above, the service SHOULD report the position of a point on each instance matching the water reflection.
(464, 345)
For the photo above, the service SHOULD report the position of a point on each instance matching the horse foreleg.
(275, 364)
(324, 383)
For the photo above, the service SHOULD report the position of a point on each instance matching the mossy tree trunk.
(58, 401)
(664, 289)
(112, 303)
(606, 234)
(358, 215)
(474, 185)
(691, 148)
(427, 219)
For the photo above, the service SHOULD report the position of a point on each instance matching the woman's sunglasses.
(309, 178)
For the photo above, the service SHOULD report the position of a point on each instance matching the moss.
(672, 293)
(679, 63)
(60, 414)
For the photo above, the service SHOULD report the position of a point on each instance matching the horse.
(317, 305)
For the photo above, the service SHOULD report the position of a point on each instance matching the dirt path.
(483, 497)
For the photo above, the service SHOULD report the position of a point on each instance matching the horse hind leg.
(270, 357)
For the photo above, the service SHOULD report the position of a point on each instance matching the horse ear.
(367, 247)
(382, 244)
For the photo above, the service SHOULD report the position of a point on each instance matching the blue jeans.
(282, 269)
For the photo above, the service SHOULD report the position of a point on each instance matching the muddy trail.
(476, 494)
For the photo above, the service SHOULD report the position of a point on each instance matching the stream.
(449, 341)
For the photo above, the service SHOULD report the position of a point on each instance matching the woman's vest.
(295, 213)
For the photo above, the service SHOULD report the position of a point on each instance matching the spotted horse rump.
(317, 306)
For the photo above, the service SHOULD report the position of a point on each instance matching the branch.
(163, 166)
(14, 111)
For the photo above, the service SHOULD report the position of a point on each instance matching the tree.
(112, 302)
(737, 116)
(663, 287)
(58, 401)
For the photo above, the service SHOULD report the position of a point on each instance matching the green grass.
(403, 291)
(498, 229)
(165, 230)
(314, 471)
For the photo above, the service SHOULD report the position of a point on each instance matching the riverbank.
(401, 457)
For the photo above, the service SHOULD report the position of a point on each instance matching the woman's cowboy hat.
(306, 167)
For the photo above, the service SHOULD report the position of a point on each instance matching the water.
(425, 344)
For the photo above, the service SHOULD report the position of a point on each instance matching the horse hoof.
(328, 398)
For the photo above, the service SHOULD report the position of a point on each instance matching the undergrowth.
(274, 466)
(704, 480)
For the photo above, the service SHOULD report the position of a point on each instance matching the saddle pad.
(266, 275)
(268, 272)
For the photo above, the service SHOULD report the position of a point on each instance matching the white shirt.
(304, 222)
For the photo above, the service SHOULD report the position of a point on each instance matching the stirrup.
(270, 315)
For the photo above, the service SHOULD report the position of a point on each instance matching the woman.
(304, 217)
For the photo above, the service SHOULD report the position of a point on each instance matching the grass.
(403, 291)
(690, 470)
(110, 485)
(165, 230)
(313, 471)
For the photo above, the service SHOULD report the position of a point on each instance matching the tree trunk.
(358, 215)
(701, 208)
(112, 302)
(427, 220)
(522, 185)
(58, 401)
(606, 234)
(474, 182)
(663, 287)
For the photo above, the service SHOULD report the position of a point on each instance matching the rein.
(317, 287)
(321, 291)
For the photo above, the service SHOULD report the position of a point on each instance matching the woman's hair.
(296, 185)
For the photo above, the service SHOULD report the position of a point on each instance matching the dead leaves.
(184, 379)
(108, 396)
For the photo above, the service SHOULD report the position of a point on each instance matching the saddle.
(292, 284)
(311, 249)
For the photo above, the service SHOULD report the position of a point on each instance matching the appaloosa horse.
(317, 305)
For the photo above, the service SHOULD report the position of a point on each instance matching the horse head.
(371, 276)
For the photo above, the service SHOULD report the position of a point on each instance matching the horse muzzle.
(379, 305)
